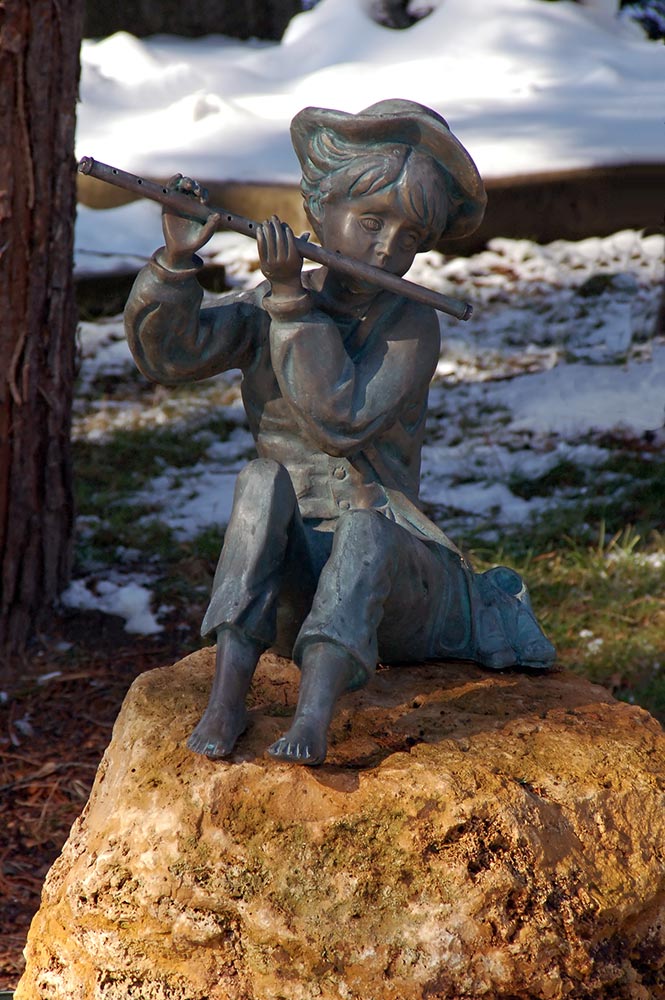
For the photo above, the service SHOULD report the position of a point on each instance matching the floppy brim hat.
(403, 121)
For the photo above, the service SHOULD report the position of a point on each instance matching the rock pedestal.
(470, 835)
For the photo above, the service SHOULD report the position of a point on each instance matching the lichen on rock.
(471, 835)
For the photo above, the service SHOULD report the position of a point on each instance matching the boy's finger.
(271, 239)
(211, 223)
(276, 230)
(269, 242)
(284, 241)
(261, 240)
(291, 244)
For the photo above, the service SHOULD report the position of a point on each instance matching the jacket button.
(339, 472)
(344, 505)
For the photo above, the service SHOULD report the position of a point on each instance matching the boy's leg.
(251, 565)
(327, 671)
(385, 592)
(337, 644)
(242, 608)
(225, 718)
(378, 594)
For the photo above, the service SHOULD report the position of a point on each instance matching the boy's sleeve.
(340, 402)
(173, 340)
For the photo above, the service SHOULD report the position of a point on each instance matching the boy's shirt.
(341, 403)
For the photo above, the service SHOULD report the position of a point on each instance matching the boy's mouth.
(364, 287)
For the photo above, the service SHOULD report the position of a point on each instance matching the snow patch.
(129, 600)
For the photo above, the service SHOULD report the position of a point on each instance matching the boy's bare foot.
(327, 671)
(225, 718)
(218, 731)
(305, 743)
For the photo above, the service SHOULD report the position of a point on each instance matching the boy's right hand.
(184, 236)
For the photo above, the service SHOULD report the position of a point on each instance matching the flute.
(181, 204)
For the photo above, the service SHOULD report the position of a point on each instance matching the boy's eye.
(371, 224)
(410, 240)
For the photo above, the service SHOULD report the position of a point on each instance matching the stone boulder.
(470, 835)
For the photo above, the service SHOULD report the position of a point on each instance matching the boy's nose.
(385, 246)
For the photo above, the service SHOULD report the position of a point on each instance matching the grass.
(118, 465)
(628, 488)
(109, 473)
(116, 530)
(563, 476)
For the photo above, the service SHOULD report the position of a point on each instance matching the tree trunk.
(39, 70)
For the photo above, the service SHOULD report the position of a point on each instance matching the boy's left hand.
(280, 261)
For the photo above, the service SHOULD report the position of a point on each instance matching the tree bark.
(39, 70)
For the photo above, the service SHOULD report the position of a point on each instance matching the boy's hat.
(404, 122)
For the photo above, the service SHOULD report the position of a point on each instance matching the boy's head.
(396, 146)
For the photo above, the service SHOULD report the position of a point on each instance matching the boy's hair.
(327, 142)
(338, 166)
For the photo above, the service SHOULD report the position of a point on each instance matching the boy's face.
(374, 229)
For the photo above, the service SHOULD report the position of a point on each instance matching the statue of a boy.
(327, 556)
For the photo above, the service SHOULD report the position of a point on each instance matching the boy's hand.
(280, 261)
(185, 236)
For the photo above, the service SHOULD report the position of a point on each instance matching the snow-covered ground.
(526, 85)
(562, 347)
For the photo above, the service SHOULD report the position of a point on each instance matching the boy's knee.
(265, 477)
(263, 494)
(364, 527)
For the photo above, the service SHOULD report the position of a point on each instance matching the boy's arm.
(171, 338)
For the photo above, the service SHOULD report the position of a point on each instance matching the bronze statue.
(328, 557)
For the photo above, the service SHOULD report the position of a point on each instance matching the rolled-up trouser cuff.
(362, 673)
